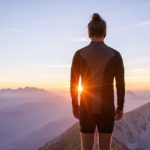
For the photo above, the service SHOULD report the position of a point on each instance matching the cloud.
(50, 66)
(139, 61)
(79, 39)
(137, 70)
(139, 25)
(16, 30)
(143, 24)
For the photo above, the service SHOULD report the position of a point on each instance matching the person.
(97, 65)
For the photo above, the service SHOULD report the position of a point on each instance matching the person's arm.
(74, 81)
(120, 82)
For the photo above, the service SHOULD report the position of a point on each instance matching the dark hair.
(97, 26)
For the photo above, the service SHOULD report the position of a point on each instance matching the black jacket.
(98, 65)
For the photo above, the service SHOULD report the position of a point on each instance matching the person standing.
(98, 65)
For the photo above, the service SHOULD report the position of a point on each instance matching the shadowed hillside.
(130, 133)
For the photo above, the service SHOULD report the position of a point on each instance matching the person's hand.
(76, 112)
(118, 114)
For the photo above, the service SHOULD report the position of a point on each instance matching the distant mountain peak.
(130, 92)
(23, 89)
(28, 88)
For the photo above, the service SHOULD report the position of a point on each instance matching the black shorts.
(103, 122)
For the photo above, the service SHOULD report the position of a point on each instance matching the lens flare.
(80, 88)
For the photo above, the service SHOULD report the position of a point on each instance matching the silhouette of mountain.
(132, 132)
(25, 89)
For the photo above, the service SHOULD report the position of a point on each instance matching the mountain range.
(30, 117)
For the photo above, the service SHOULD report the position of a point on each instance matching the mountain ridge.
(130, 133)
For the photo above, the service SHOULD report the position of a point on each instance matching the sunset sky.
(38, 39)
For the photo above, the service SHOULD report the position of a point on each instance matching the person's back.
(98, 65)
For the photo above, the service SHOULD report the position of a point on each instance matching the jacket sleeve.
(120, 83)
(74, 79)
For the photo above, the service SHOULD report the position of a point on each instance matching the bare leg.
(87, 141)
(105, 140)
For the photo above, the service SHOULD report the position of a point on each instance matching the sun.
(80, 88)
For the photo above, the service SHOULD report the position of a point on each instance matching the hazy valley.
(30, 117)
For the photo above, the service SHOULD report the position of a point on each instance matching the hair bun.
(96, 17)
